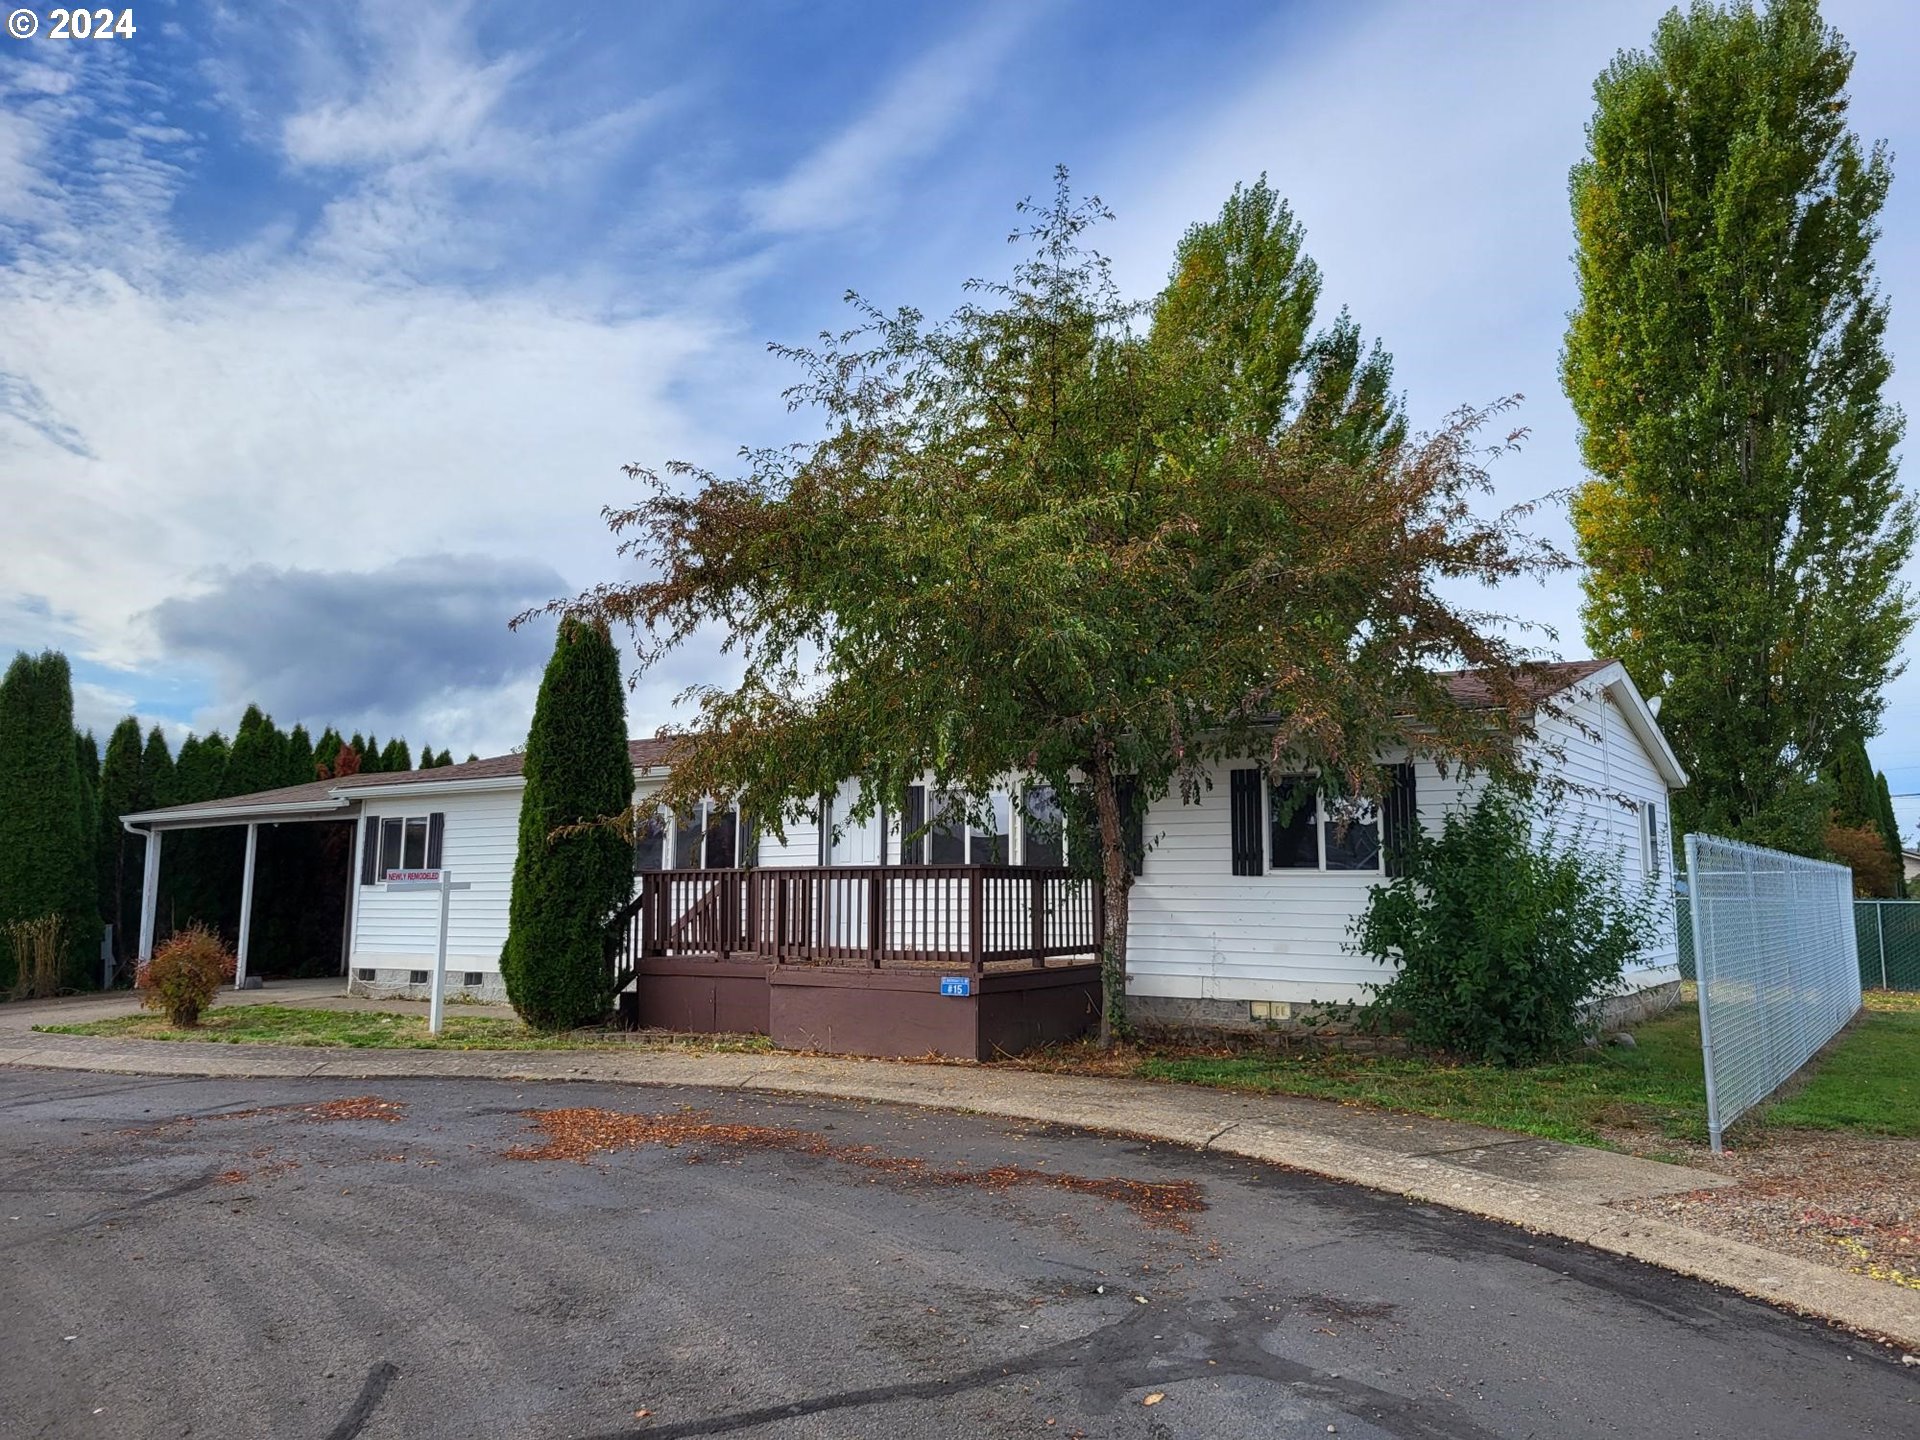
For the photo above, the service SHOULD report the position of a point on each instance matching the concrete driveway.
(251, 1258)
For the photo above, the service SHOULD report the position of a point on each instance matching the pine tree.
(326, 754)
(567, 887)
(1744, 527)
(120, 856)
(1889, 825)
(396, 757)
(46, 838)
(371, 762)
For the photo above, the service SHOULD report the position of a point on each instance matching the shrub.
(1501, 938)
(39, 949)
(184, 975)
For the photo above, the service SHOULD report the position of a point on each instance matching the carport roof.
(316, 798)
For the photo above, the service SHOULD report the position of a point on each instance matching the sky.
(325, 330)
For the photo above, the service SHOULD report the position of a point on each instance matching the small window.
(411, 842)
(989, 846)
(416, 977)
(688, 828)
(470, 980)
(364, 974)
(723, 839)
(1043, 828)
(391, 832)
(1293, 841)
(1650, 839)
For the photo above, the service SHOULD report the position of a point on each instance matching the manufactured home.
(909, 933)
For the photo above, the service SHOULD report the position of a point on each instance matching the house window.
(1043, 828)
(401, 842)
(1650, 839)
(1307, 830)
(712, 836)
(951, 839)
(650, 842)
(1293, 831)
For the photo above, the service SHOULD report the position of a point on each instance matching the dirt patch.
(355, 1107)
(1846, 1200)
(584, 1134)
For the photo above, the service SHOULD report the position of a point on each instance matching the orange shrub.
(184, 975)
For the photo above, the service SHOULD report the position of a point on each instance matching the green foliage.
(39, 950)
(296, 766)
(120, 856)
(396, 757)
(1743, 527)
(185, 974)
(1045, 536)
(1889, 825)
(1500, 940)
(572, 871)
(46, 814)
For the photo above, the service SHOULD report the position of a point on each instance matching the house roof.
(316, 797)
(1538, 679)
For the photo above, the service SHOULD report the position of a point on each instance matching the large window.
(950, 839)
(1307, 830)
(400, 842)
(710, 836)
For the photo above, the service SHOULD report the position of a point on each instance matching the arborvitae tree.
(396, 757)
(567, 883)
(1744, 528)
(86, 754)
(120, 856)
(297, 767)
(1856, 797)
(46, 855)
(326, 751)
(446, 758)
(371, 760)
(257, 759)
(1889, 825)
(472, 755)
(427, 758)
(157, 785)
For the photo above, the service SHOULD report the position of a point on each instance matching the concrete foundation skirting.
(398, 984)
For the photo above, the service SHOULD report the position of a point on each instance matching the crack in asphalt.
(1099, 1363)
(372, 1390)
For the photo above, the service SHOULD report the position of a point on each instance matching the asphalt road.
(233, 1258)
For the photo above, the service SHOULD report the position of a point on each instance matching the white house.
(1238, 912)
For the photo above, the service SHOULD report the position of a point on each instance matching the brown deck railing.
(866, 915)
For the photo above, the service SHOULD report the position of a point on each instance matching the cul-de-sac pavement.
(418, 1257)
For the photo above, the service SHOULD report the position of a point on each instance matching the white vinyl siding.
(398, 929)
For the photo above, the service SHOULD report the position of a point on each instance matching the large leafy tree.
(570, 873)
(46, 817)
(1095, 541)
(1743, 526)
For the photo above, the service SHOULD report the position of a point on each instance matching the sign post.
(441, 880)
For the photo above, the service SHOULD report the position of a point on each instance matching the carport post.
(246, 906)
(149, 893)
(437, 1011)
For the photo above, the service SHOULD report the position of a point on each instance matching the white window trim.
(1319, 832)
(425, 822)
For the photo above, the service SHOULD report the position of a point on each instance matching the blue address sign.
(956, 985)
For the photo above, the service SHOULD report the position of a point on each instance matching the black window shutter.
(913, 851)
(436, 839)
(370, 852)
(1133, 824)
(1402, 814)
(826, 831)
(1243, 808)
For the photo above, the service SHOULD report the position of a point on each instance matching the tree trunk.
(1117, 878)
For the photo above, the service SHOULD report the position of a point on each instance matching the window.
(1293, 835)
(951, 840)
(1351, 829)
(1043, 828)
(401, 842)
(650, 842)
(1650, 839)
(723, 839)
(470, 979)
(711, 836)
(416, 977)
(364, 973)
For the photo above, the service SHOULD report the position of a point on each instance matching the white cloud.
(840, 182)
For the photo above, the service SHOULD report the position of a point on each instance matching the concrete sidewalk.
(1541, 1185)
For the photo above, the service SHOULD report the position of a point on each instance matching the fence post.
(1702, 980)
(1880, 928)
(976, 922)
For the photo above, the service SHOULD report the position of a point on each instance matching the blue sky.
(324, 330)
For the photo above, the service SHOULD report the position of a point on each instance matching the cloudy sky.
(324, 329)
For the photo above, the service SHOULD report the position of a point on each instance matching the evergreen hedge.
(567, 884)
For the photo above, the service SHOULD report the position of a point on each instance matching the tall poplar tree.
(1743, 526)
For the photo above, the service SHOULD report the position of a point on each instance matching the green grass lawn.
(1634, 1098)
(381, 1030)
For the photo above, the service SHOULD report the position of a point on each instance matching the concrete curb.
(1390, 1153)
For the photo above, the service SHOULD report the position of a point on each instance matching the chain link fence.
(1777, 957)
(1888, 934)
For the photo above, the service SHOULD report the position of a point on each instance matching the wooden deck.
(967, 961)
